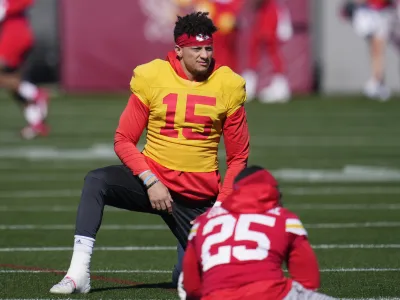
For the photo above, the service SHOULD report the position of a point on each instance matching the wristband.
(148, 178)
(151, 184)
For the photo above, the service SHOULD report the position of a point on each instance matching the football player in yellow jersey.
(186, 103)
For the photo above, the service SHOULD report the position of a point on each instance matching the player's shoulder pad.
(234, 87)
(150, 70)
(231, 80)
(143, 77)
(293, 223)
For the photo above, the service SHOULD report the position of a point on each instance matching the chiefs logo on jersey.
(202, 37)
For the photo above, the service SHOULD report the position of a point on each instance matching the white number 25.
(240, 229)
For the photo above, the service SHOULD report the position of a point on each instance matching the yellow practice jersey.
(186, 117)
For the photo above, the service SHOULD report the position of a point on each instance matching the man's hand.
(160, 197)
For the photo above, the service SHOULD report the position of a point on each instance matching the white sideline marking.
(353, 225)
(96, 152)
(138, 227)
(92, 271)
(341, 191)
(339, 270)
(52, 249)
(169, 248)
(345, 270)
(350, 173)
(347, 206)
(347, 174)
(46, 153)
(141, 227)
(367, 190)
(105, 151)
(356, 246)
(303, 206)
(40, 194)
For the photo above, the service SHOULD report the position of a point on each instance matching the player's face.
(197, 59)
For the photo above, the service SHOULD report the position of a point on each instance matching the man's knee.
(96, 179)
(100, 174)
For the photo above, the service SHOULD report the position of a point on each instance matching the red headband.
(186, 40)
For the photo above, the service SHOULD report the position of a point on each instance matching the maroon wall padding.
(101, 43)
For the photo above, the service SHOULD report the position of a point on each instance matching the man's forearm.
(236, 138)
(132, 122)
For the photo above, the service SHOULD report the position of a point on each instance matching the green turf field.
(338, 161)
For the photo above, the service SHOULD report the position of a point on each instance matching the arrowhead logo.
(202, 37)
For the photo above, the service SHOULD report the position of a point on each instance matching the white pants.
(299, 292)
(370, 22)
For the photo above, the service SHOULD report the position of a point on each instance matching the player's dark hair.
(194, 24)
(247, 172)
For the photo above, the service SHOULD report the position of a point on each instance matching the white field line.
(330, 190)
(303, 206)
(338, 270)
(342, 191)
(346, 206)
(106, 150)
(173, 248)
(347, 174)
(142, 227)
(40, 194)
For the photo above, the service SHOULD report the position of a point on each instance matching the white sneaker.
(69, 286)
(251, 84)
(376, 90)
(277, 92)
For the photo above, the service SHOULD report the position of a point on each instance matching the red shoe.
(43, 100)
(32, 131)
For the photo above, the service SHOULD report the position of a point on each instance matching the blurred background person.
(16, 41)
(271, 26)
(225, 14)
(373, 20)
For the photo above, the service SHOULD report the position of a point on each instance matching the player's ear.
(178, 51)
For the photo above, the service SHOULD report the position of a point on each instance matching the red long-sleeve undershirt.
(134, 120)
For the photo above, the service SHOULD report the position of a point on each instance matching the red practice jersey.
(16, 37)
(234, 245)
(15, 9)
(380, 4)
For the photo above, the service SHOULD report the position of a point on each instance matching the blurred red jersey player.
(16, 41)
(379, 4)
(236, 251)
(271, 26)
(224, 13)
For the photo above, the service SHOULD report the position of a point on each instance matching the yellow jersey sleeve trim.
(295, 226)
(193, 231)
